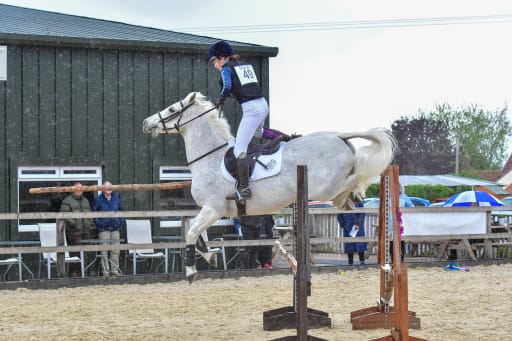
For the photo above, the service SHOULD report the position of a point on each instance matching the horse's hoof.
(191, 278)
(213, 260)
(191, 273)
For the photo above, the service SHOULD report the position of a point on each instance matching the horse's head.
(170, 119)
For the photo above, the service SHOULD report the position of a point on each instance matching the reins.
(177, 126)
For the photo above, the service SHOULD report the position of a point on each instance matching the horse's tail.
(372, 159)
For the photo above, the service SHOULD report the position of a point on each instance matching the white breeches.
(254, 114)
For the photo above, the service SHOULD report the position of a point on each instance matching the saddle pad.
(273, 162)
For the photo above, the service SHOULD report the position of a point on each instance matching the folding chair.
(9, 263)
(139, 232)
(48, 237)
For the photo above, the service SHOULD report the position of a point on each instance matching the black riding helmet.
(220, 49)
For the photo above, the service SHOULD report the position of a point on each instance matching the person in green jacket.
(78, 229)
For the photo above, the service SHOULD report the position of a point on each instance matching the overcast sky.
(345, 78)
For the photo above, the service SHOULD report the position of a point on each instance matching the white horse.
(335, 168)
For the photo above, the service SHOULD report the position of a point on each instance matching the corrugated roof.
(22, 21)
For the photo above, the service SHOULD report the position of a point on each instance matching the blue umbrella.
(473, 198)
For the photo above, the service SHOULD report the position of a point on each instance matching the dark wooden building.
(73, 94)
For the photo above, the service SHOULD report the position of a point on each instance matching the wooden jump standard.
(299, 316)
(95, 188)
(398, 318)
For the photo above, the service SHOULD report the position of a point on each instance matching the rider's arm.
(226, 83)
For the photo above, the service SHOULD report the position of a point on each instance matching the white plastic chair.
(138, 231)
(48, 237)
(9, 263)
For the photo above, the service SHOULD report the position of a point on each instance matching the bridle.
(177, 125)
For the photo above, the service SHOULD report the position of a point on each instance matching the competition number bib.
(246, 74)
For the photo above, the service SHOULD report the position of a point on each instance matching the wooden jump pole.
(398, 318)
(299, 316)
(95, 188)
(117, 188)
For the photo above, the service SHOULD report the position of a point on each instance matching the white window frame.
(3, 63)
(49, 173)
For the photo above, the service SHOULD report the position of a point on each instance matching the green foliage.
(429, 143)
(432, 192)
(373, 191)
(482, 135)
(429, 192)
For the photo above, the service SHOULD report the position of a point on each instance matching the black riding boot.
(243, 189)
(361, 258)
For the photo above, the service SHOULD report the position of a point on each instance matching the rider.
(239, 80)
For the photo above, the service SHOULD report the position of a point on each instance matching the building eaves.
(25, 25)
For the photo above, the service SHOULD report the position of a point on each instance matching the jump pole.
(95, 188)
(398, 318)
(117, 188)
(299, 316)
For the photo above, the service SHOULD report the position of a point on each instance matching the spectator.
(403, 199)
(250, 231)
(353, 222)
(109, 228)
(78, 229)
(265, 225)
(254, 228)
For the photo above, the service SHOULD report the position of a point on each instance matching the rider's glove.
(219, 102)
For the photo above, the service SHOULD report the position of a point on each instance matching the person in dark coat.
(78, 228)
(353, 222)
(258, 227)
(266, 225)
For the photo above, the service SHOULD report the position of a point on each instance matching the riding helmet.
(220, 49)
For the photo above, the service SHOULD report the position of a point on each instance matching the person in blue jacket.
(109, 228)
(353, 222)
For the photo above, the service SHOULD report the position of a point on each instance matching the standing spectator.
(250, 231)
(77, 229)
(109, 228)
(353, 222)
(265, 226)
(254, 228)
(403, 199)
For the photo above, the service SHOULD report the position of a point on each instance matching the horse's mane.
(220, 125)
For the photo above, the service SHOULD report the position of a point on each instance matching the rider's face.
(218, 62)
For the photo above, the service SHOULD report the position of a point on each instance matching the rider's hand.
(219, 102)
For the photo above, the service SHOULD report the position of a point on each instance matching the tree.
(424, 146)
(430, 143)
(482, 135)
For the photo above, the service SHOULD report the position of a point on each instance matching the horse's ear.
(191, 97)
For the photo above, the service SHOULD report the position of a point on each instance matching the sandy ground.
(452, 305)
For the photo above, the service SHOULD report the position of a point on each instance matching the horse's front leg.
(206, 217)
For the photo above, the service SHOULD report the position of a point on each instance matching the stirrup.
(240, 194)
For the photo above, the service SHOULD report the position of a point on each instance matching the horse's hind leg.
(343, 200)
(206, 217)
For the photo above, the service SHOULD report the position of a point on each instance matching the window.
(30, 177)
(3, 63)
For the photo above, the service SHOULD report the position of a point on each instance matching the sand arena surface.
(452, 305)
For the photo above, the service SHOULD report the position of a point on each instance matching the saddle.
(254, 151)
